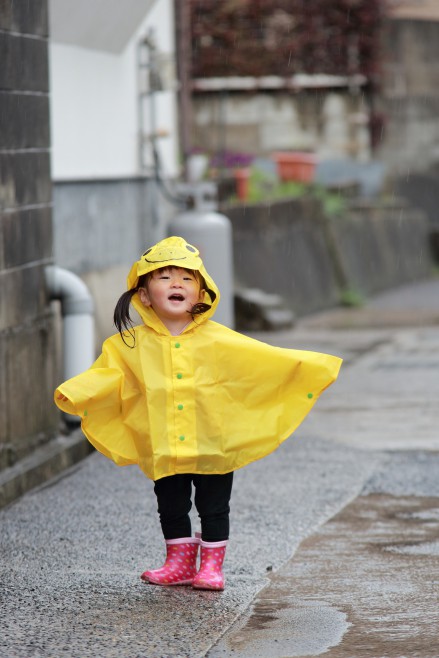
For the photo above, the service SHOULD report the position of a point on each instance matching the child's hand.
(62, 397)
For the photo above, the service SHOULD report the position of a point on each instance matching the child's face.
(171, 292)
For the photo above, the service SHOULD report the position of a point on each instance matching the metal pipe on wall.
(77, 310)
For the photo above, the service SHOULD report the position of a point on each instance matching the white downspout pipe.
(77, 309)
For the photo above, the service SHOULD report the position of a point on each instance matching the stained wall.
(28, 417)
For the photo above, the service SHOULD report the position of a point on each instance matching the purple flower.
(231, 160)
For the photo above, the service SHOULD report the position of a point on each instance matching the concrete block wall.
(27, 373)
(290, 248)
(276, 248)
(100, 228)
(331, 123)
(409, 97)
(382, 246)
(102, 224)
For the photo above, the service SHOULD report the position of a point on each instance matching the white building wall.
(94, 103)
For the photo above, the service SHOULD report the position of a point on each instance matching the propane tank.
(211, 232)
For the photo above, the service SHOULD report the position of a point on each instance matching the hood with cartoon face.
(173, 251)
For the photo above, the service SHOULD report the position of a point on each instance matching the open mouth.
(176, 297)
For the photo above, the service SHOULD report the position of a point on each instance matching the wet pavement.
(334, 537)
(364, 585)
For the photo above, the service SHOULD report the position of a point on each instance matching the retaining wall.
(291, 248)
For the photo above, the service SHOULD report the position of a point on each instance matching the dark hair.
(122, 318)
(121, 315)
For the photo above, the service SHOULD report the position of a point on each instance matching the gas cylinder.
(211, 232)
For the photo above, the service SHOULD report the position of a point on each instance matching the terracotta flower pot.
(295, 165)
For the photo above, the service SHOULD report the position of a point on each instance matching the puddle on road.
(278, 630)
(364, 585)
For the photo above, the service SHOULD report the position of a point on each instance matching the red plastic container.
(295, 165)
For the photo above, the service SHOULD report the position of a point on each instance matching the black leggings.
(212, 496)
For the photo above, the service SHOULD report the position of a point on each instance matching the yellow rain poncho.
(207, 401)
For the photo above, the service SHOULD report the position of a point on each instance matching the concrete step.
(256, 310)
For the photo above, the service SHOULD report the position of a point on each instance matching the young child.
(189, 401)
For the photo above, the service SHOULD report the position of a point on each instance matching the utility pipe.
(77, 310)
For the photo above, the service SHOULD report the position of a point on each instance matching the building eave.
(413, 10)
(297, 82)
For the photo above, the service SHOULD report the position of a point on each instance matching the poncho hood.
(172, 252)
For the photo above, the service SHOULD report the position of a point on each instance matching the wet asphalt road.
(334, 537)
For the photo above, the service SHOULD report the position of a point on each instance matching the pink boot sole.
(219, 587)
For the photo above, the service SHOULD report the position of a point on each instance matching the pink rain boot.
(210, 575)
(180, 564)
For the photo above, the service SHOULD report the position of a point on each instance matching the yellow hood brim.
(171, 252)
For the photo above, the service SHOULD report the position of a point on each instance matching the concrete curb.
(43, 464)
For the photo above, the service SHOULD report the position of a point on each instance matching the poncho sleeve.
(97, 396)
(266, 392)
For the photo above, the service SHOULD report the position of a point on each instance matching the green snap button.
(85, 413)
(177, 345)
(179, 376)
(181, 438)
(180, 407)
(310, 395)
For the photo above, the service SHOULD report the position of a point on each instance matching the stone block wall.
(28, 417)
(333, 124)
(382, 246)
(409, 95)
(291, 248)
(276, 247)
(100, 227)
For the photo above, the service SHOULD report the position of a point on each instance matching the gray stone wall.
(276, 247)
(28, 416)
(100, 228)
(103, 224)
(292, 249)
(409, 95)
(331, 123)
